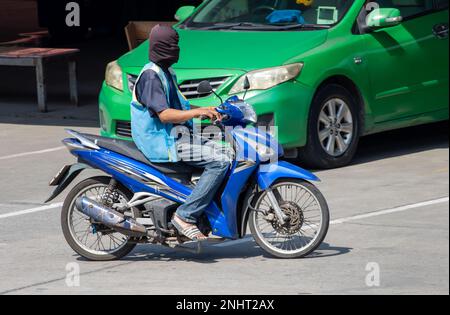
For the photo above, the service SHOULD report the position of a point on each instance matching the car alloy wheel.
(335, 127)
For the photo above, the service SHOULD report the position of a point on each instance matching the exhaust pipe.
(111, 218)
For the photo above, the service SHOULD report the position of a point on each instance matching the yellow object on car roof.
(306, 3)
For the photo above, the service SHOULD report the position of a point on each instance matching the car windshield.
(268, 14)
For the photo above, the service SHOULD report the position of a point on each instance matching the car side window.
(409, 8)
(441, 4)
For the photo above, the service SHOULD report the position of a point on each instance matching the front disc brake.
(295, 222)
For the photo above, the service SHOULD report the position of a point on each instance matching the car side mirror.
(184, 12)
(205, 88)
(383, 17)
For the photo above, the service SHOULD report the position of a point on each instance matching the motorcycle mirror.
(247, 85)
(205, 88)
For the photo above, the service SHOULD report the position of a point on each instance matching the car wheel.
(333, 129)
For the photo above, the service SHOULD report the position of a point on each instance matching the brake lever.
(217, 123)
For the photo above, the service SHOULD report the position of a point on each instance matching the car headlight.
(114, 76)
(268, 78)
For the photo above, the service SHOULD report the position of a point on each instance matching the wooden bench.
(37, 58)
(33, 39)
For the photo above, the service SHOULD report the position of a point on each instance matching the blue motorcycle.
(105, 217)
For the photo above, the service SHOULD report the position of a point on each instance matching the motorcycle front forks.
(275, 199)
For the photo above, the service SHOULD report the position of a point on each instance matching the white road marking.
(30, 153)
(358, 217)
(29, 211)
(390, 211)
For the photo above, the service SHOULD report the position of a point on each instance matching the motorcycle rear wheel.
(121, 245)
(307, 228)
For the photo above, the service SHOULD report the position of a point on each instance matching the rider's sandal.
(193, 233)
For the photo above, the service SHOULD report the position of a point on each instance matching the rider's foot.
(187, 229)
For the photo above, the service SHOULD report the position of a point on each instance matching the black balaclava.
(164, 49)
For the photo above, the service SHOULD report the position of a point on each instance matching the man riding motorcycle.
(104, 217)
(157, 108)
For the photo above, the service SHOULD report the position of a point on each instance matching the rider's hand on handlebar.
(207, 112)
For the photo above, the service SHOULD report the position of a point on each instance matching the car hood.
(241, 50)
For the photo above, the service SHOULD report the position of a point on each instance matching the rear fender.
(66, 177)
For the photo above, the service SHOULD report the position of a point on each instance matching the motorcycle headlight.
(114, 76)
(248, 112)
(267, 78)
(251, 117)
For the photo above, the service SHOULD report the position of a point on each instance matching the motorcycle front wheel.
(307, 224)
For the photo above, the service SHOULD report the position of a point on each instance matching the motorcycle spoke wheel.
(307, 224)
(91, 237)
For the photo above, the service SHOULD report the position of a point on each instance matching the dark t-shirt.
(150, 93)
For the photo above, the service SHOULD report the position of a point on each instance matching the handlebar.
(234, 112)
(217, 122)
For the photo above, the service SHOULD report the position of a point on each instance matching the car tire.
(320, 152)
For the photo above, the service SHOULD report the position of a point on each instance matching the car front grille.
(188, 88)
(123, 129)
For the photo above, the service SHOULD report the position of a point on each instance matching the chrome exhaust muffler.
(111, 218)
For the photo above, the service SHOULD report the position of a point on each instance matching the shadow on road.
(402, 142)
(213, 254)
(64, 121)
(326, 250)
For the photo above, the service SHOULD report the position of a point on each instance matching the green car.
(325, 72)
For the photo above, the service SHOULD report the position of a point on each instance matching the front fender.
(267, 174)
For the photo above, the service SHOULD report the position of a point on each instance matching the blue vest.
(152, 137)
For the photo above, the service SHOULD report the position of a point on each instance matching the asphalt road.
(383, 225)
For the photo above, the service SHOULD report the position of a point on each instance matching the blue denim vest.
(152, 137)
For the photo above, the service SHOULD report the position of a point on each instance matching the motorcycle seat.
(129, 149)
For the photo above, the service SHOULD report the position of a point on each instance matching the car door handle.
(440, 31)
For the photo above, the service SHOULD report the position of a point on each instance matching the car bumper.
(114, 111)
(286, 106)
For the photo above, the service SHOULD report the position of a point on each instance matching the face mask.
(164, 49)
